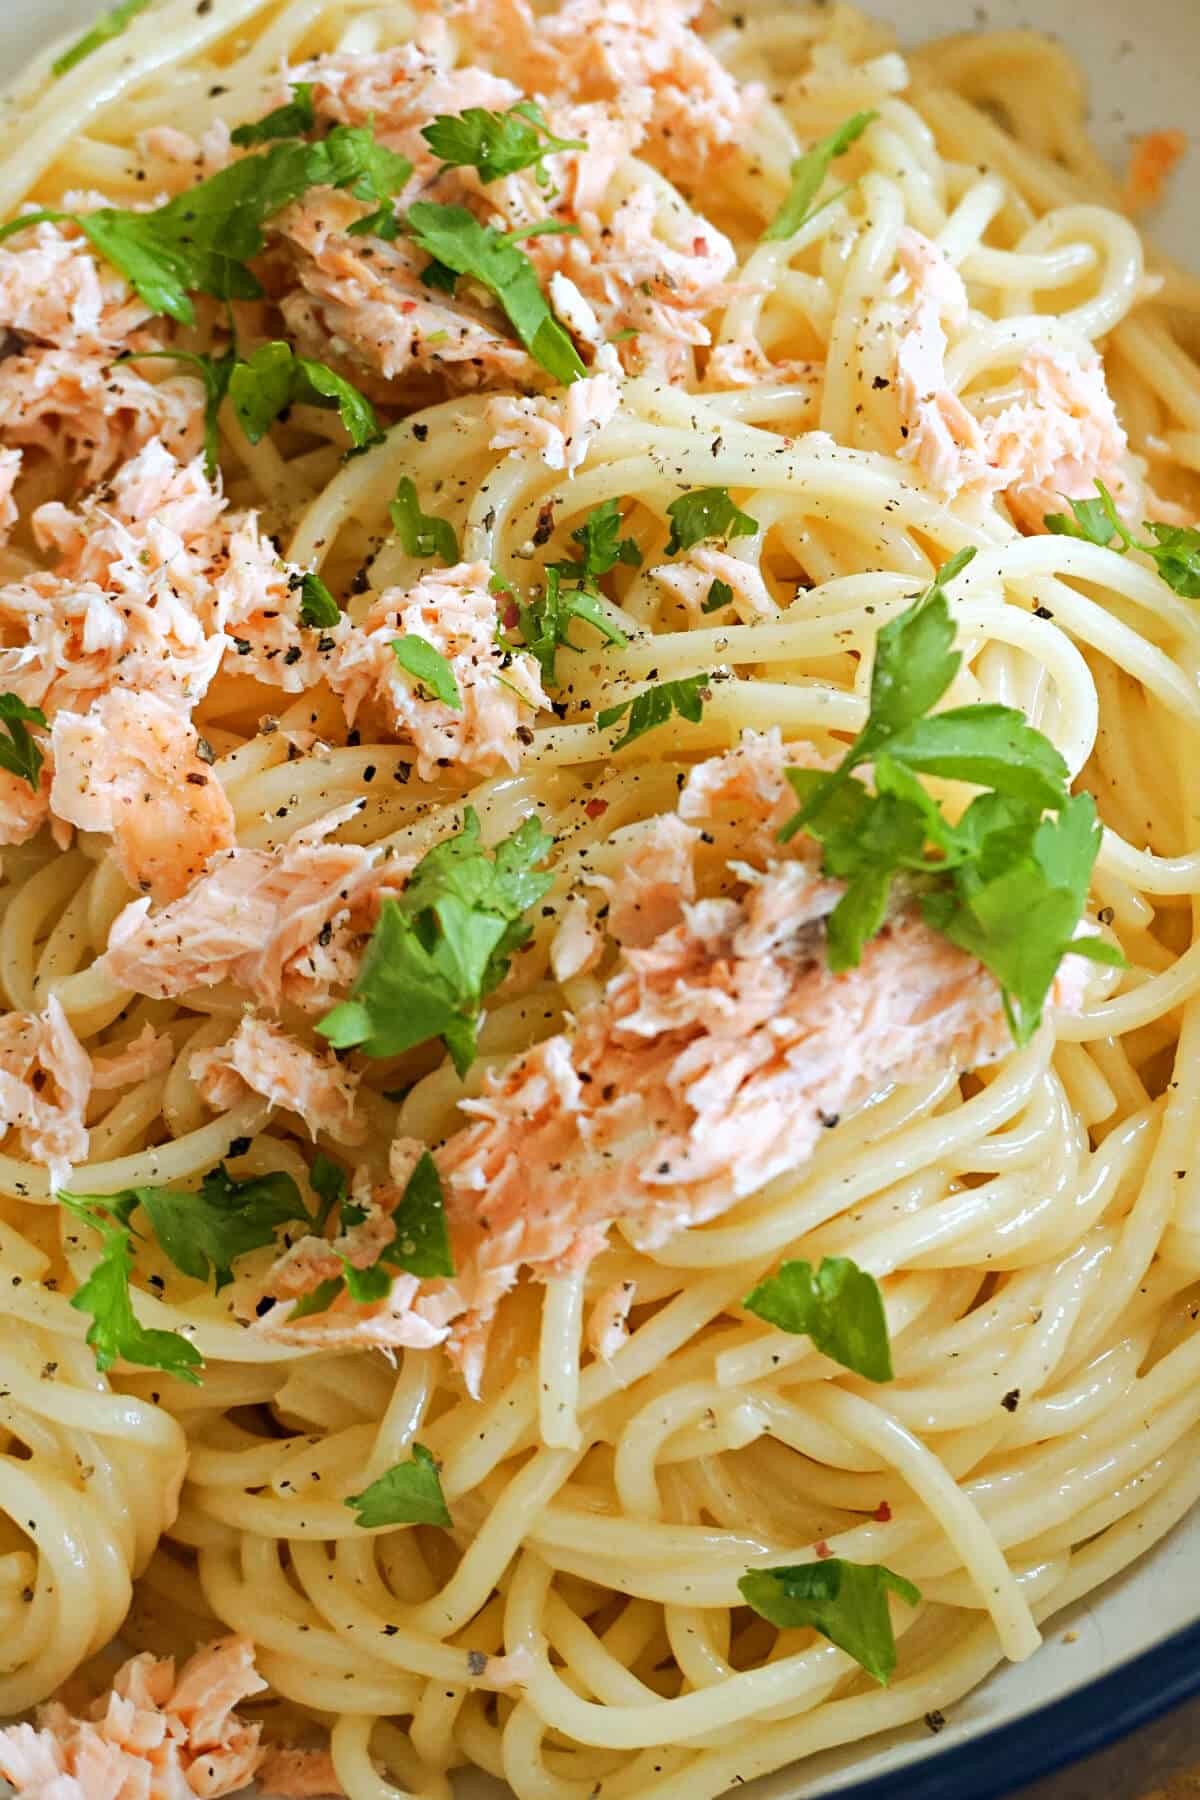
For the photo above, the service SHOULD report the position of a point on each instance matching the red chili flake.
(512, 617)
(596, 809)
(823, 1551)
(883, 1512)
(408, 306)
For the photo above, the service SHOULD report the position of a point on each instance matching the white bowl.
(1132, 1649)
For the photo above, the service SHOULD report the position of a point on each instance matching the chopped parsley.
(115, 1331)
(706, 513)
(318, 607)
(545, 623)
(202, 240)
(496, 143)
(719, 594)
(1006, 883)
(19, 752)
(602, 546)
(458, 243)
(839, 1306)
(108, 26)
(845, 1601)
(421, 534)
(444, 945)
(655, 706)
(273, 378)
(1174, 549)
(292, 119)
(418, 657)
(808, 176)
(203, 1234)
(410, 1493)
(419, 1244)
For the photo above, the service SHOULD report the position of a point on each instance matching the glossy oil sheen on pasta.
(970, 329)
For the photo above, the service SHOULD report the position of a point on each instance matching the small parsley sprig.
(294, 118)
(839, 1306)
(410, 1493)
(444, 945)
(496, 143)
(706, 513)
(656, 705)
(419, 1245)
(273, 378)
(1174, 549)
(572, 591)
(115, 1331)
(1007, 883)
(20, 753)
(428, 668)
(421, 534)
(202, 1233)
(808, 177)
(108, 26)
(459, 245)
(845, 1601)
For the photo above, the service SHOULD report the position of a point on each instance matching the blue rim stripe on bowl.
(1004, 1759)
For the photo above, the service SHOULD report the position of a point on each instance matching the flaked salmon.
(155, 1736)
(132, 766)
(261, 1058)
(45, 1079)
(499, 691)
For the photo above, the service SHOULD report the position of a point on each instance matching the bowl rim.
(1006, 1757)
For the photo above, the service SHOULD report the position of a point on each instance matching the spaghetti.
(900, 372)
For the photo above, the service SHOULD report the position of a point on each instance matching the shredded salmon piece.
(203, 156)
(23, 810)
(608, 1322)
(1056, 440)
(578, 943)
(364, 301)
(10, 469)
(655, 880)
(1154, 159)
(54, 288)
(722, 1049)
(260, 1058)
(154, 1736)
(155, 583)
(149, 1053)
(500, 692)
(45, 1079)
(560, 431)
(80, 406)
(624, 50)
(1059, 439)
(288, 1774)
(285, 924)
(742, 363)
(131, 766)
(690, 578)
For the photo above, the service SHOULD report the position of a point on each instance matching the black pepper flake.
(205, 751)
(263, 1307)
(477, 1662)
(880, 382)
(238, 1146)
(1011, 1400)
(242, 646)
(420, 432)
(196, 779)
(936, 1722)
(293, 655)
(1106, 915)
(1042, 612)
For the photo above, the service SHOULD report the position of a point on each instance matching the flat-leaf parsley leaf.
(839, 1306)
(845, 1601)
(410, 1493)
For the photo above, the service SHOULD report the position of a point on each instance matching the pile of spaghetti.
(598, 721)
